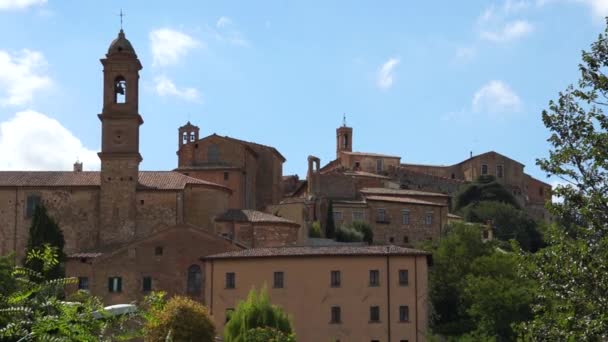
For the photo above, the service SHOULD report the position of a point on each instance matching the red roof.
(148, 180)
(303, 251)
(406, 200)
(401, 192)
(254, 216)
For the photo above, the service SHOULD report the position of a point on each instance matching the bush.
(348, 234)
(315, 230)
(255, 312)
(268, 335)
(183, 320)
(365, 229)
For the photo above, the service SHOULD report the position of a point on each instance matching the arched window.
(192, 137)
(185, 138)
(120, 90)
(195, 280)
(345, 143)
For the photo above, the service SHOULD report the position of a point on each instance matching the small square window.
(335, 278)
(158, 250)
(403, 277)
(391, 239)
(381, 215)
(336, 314)
(374, 314)
(404, 313)
(147, 284)
(374, 278)
(278, 280)
(83, 283)
(226, 175)
(484, 169)
(230, 280)
(115, 284)
(499, 171)
(406, 239)
(405, 216)
(428, 219)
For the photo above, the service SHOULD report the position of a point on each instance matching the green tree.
(572, 271)
(348, 234)
(256, 312)
(315, 230)
(181, 319)
(267, 335)
(330, 225)
(485, 188)
(508, 223)
(45, 231)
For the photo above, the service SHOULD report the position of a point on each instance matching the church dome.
(121, 45)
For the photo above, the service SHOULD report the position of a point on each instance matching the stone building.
(128, 231)
(254, 172)
(253, 228)
(342, 293)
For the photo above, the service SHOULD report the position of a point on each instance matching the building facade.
(338, 293)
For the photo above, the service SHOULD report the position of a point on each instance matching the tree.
(182, 319)
(267, 335)
(256, 312)
(330, 225)
(356, 231)
(485, 188)
(573, 270)
(315, 230)
(507, 222)
(45, 231)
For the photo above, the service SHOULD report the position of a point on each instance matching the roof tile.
(319, 251)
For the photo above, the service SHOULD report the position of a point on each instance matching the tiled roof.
(406, 200)
(254, 216)
(369, 154)
(364, 174)
(399, 192)
(252, 145)
(304, 251)
(152, 180)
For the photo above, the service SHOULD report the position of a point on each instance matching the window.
(374, 314)
(453, 176)
(403, 277)
(404, 313)
(83, 283)
(213, 153)
(486, 235)
(32, 202)
(114, 284)
(158, 250)
(120, 90)
(278, 280)
(391, 239)
(357, 165)
(229, 313)
(184, 138)
(428, 219)
(335, 278)
(230, 280)
(406, 239)
(345, 144)
(195, 280)
(374, 278)
(337, 216)
(226, 175)
(405, 216)
(358, 216)
(381, 215)
(540, 191)
(335, 314)
(379, 165)
(147, 284)
(499, 171)
(484, 169)
(192, 136)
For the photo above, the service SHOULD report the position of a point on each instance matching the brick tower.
(187, 139)
(120, 157)
(344, 139)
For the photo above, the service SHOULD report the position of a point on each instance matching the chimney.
(78, 166)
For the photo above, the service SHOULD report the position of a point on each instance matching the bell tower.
(120, 157)
(344, 138)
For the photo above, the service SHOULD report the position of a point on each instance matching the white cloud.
(386, 76)
(165, 87)
(223, 22)
(169, 46)
(19, 4)
(510, 31)
(513, 6)
(496, 97)
(21, 75)
(34, 141)
(599, 8)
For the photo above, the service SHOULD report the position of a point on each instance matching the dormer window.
(120, 90)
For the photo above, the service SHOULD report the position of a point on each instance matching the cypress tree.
(45, 231)
(330, 225)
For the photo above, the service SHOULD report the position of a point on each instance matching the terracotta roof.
(304, 251)
(404, 192)
(254, 216)
(369, 154)
(364, 174)
(252, 145)
(406, 200)
(153, 180)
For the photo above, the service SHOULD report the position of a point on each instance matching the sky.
(430, 81)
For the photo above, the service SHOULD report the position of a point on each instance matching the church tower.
(344, 139)
(120, 157)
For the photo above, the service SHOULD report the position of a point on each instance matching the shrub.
(267, 335)
(348, 234)
(365, 229)
(315, 230)
(183, 320)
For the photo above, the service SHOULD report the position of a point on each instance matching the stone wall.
(156, 210)
(274, 235)
(202, 205)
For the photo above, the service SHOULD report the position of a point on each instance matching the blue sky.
(426, 80)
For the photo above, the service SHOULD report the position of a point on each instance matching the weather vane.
(121, 15)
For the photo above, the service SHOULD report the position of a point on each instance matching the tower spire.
(344, 119)
(121, 15)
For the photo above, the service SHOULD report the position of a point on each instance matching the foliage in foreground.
(181, 319)
(315, 230)
(267, 335)
(485, 188)
(572, 301)
(256, 312)
(44, 230)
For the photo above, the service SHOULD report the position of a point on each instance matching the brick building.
(342, 293)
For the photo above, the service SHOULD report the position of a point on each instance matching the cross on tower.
(344, 119)
(121, 15)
